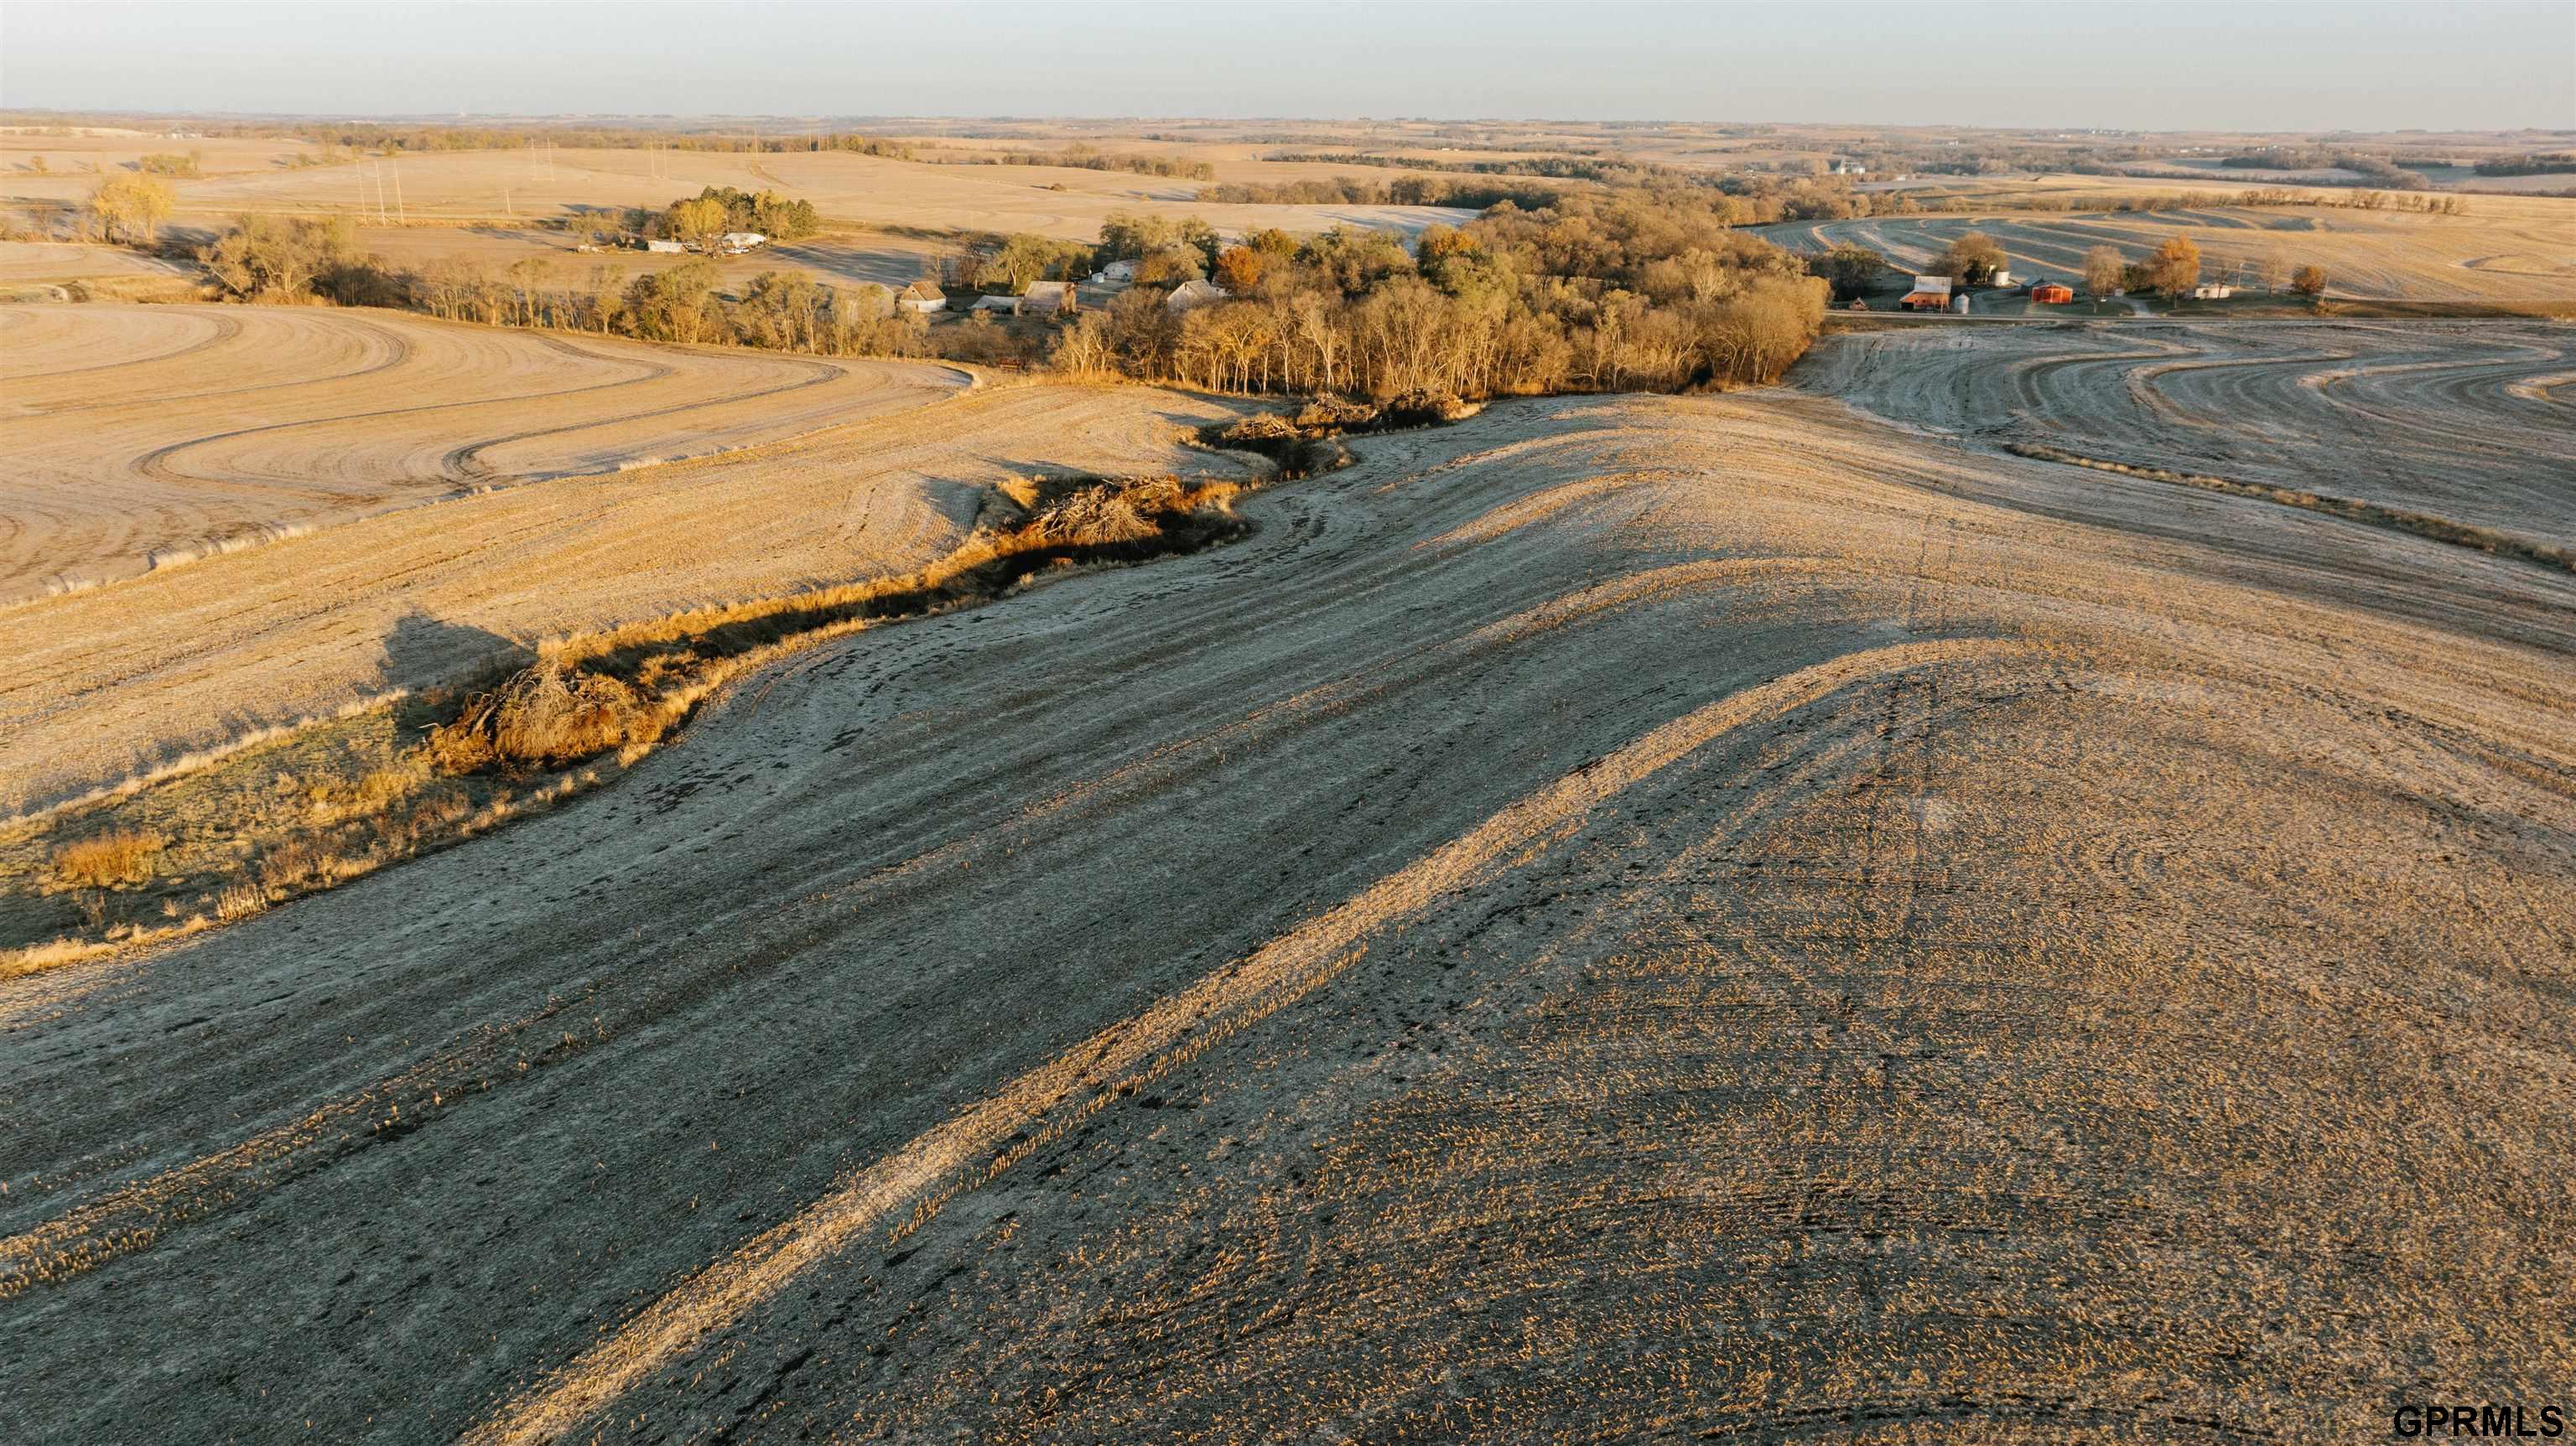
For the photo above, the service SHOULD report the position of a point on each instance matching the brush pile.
(543, 716)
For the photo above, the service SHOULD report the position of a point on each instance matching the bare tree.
(132, 208)
(2104, 270)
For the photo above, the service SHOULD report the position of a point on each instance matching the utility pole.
(401, 214)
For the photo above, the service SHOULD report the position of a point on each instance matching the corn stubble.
(1618, 919)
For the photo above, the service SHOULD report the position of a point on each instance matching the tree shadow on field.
(424, 653)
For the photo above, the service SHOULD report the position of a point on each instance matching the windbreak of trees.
(2374, 170)
(1608, 172)
(1624, 291)
(358, 136)
(2554, 163)
(2420, 202)
(1022, 259)
(719, 209)
(1467, 194)
(288, 260)
(1082, 157)
(1593, 293)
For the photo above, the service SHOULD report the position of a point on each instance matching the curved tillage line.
(397, 347)
(465, 463)
(156, 463)
(984, 1141)
(221, 330)
(2422, 419)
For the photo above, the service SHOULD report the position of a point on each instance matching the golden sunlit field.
(2505, 251)
(524, 184)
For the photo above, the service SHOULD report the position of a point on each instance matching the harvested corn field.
(2467, 422)
(118, 681)
(2505, 252)
(1618, 919)
(518, 185)
(141, 437)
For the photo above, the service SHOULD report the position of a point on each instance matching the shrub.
(543, 715)
(104, 860)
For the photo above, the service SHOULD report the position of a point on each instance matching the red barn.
(2050, 293)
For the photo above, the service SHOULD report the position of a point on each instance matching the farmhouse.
(1115, 271)
(2051, 293)
(1930, 293)
(923, 297)
(1045, 298)
(734, 243)
(1192, 294)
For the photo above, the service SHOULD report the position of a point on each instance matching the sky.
(2268, 65)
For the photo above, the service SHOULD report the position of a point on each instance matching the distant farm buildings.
(1007, 305)
(2212, 291)
(1191, 294)
(734, 243)
(664, 246)
(922, 297)
(2001, 277)
(1115, 271)
(1930, 293)
(2051, 293)
(1045, 298)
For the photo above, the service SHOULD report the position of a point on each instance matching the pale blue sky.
(2252, 64)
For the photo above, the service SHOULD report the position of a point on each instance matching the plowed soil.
(2467, 421)
(1619, 919)
(145, 436)
(350, 594)
(2505, 251)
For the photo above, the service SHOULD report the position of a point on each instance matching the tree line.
(1081, 157)
(719, 209)
(2553, 163)
(388, 138)
(296, 259)
(1593, 293)
(1612, 292)
(2374, 170)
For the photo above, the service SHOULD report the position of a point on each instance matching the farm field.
(2505, 251)
(111, 149)
(2466, 421)
(35, 262)
(849, 259)
(1621, 918)
(114, 681)
(497, 186)
(176, 431)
